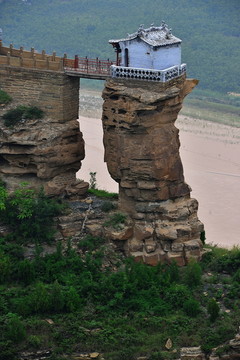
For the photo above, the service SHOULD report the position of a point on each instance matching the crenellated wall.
(30, 59)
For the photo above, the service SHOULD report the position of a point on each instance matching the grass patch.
(103, 194)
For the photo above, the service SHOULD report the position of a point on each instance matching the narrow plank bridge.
(88, 68)
(79, 66)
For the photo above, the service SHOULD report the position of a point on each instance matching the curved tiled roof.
(155, 36)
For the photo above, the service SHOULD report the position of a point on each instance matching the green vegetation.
(124, 313)
(107, 206)
(89, 299)
(116, 221)
(209, 30)
(93, 180)
(4, 97)
(95, 301)
(28, 214)
(213, 309)
(20, 114)
(103, 194)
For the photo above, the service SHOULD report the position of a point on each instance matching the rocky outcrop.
(42, 152)
(229, 351)
(142, 154)
(192, 353)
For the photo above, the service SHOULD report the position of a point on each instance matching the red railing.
(88, 66)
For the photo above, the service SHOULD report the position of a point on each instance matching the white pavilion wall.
(142, 55)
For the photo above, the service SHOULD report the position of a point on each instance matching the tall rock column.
(142, 154)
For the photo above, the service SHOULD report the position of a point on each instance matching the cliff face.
(47, 151)
(42, 153)
(142, 154)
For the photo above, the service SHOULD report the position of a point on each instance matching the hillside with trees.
(87, 299)
(209, 30)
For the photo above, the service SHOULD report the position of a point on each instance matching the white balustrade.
(147, 74)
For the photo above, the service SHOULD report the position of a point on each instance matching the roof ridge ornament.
(169, 33)
(164, 26)
(140, 29)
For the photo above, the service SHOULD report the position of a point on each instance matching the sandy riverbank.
(210, 153)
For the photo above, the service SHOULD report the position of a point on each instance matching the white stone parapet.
(147, 74)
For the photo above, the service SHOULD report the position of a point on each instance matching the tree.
(213, 309)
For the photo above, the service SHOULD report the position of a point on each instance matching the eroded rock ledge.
(142, 154)
(41, 152)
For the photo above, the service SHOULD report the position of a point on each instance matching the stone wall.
(54, 92)
(47, 151)
(142, 155)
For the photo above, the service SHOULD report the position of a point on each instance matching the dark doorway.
(126, 58)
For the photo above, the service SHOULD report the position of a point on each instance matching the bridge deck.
(80, 74)
(88, 68)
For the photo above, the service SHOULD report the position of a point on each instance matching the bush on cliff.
(5, 98)
(28, 214)
(20, 114)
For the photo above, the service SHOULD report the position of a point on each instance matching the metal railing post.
(76, 62)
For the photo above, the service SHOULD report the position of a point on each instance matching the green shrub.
(116, 220)
(3, 306)
(93, 180)
(39, 299)
(57, 298)
(176, 295)
(26, 272)
(236, 276)
(34, 341)
(193, 274)
(4, 97)
(20, 113)
(5, 268)
(72, 300)
(191, 307)
(213, 309)
(15, 328)
(30, 215)
(3, 197)
(173, 271)
(203, 236)
(90, 243)
(107, 206)
(8, 350)
(225, 260)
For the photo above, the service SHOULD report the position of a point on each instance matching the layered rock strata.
(46, 151)
(142, 154)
